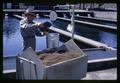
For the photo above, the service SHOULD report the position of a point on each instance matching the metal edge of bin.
(53, 71)
(71, 46)
(63, 61)
(41, 69)
(74, 69)
(65, 46)
(29, 54)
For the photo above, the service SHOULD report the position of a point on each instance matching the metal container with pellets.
(62, 67)
(65, 62)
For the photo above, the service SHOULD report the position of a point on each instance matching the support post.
(72, 22)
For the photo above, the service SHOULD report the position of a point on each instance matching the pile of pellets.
(52, 58)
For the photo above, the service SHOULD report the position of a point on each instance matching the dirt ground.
(52, 58)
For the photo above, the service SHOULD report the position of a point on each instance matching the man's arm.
(43, 29)
(45, 26)
(24, 24)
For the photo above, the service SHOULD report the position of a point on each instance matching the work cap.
(29, 12)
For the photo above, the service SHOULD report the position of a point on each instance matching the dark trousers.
(29, 42)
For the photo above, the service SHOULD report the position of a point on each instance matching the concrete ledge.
(9, 74)
(101, 64)
(91, 25)
(97, 19)
(93, 66)
(106, 74)
(9, 71)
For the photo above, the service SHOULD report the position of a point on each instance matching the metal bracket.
(21, 59)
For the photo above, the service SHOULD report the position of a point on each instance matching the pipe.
(82, 39)
(18, 16)
(72, 22)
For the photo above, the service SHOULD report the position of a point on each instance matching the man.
(29, 29)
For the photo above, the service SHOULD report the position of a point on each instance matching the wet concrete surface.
(106, 15)
(108, 74)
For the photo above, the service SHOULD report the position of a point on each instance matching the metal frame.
(72, 18)
(21, 59)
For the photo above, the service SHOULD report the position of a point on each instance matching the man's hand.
(45, 24)
(41, 25)
(44, 27)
